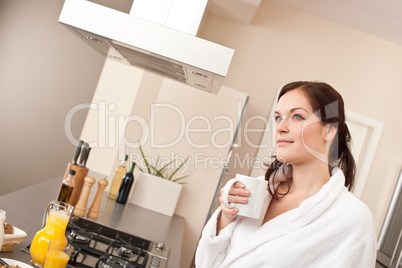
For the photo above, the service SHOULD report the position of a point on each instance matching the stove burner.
(125, 252)
(113, 262)
(79, 236)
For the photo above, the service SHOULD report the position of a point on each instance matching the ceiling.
(381, 18)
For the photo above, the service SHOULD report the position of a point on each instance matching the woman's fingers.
(235, 199)
(237, 194)
(237, 189)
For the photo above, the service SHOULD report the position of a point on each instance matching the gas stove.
(100, 246)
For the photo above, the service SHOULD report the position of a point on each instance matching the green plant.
(162, 171)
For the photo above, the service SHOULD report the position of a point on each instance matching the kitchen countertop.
(25, 209)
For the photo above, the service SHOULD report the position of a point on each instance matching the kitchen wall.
(44, 72)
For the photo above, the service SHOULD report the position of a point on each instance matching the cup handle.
(225, 194)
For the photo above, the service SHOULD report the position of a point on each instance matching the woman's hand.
(237, 194)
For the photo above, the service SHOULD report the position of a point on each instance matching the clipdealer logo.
(198, 131)
(112, 127)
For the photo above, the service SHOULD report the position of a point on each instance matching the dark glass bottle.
(126, 185)
(67, 187)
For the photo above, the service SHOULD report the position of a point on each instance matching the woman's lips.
(283, 142)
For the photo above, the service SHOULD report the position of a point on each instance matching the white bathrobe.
(330, 229)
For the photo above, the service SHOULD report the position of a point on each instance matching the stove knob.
(160, 245)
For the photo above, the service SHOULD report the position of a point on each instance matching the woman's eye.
(278, 119)
(298, 117)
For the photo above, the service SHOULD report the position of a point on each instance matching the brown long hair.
(329, 106)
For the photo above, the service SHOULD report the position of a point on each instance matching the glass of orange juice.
(57, 255)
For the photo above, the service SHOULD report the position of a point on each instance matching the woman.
(309, 217)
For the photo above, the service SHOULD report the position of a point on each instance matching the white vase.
(156, 194)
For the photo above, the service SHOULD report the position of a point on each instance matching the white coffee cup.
(257, 188)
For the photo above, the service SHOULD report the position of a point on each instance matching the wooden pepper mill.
(94, 209)
(81, 207)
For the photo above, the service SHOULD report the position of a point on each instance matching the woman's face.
(300, 135)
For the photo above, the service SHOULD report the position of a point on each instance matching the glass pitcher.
(54, 226)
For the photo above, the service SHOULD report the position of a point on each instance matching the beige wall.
(45, 70)
(283, 44)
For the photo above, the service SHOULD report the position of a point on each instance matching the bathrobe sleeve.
(211, 250)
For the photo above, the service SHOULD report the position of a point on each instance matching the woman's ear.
(331, 132)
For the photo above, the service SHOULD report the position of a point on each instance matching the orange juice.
(56, 259)
(54, 230)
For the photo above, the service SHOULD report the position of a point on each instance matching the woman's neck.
(308, 178)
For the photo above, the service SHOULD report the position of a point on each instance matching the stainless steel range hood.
(135, 41)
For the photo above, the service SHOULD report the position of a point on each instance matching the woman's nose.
(282, 126)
